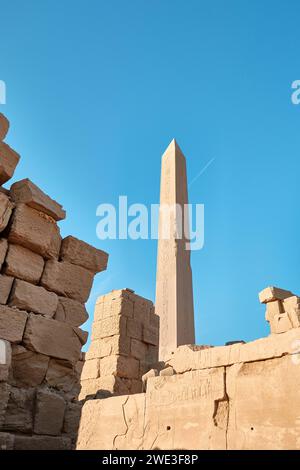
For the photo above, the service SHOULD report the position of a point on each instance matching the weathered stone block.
(68, 280)
(23, 264)
(71, 311)
(103, 387)
(26, 296)
(138, 349)
(12, 324)
(42, 443)
(91, 369)
(25, 191)
(134, 329)
(72, 418)
(6, 207)
(121, 366)
(78, 252)
(111, 326)
(273, 308)
(280, 323)
(3, 250)
(116, 304)
(36, 231)
(9, 159)
(49, 413)
(29, 368)
(81, 334)
(61, 375)
(6, 283)
(52, 338)
(19, 411)
(150, 335)
(269, 294)
(4, 126)
(117, 344)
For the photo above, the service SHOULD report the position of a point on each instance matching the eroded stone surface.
(26, 296)
(23, 264)
(68, 280)
(6, 208)
(25, 191)
(9, 160)
(36, 231)
(78, 252)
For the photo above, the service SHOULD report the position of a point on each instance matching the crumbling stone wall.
(124, 345)
(240, 396)
(44, 283)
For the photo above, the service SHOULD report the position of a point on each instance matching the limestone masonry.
(134, 388)
(44, 282)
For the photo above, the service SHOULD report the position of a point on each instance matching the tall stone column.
(174, 291)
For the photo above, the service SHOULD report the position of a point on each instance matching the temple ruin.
(143, 384)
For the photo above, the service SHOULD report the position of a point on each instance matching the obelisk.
(174, 290)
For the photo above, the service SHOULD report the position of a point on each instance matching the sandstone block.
(52, 338)
(6, 441)
(72, 418)
(23, 264)
(68, 280)
(290, 304)
(9, 159)
(19, 411)
(26, 192)
(273, 308)
(148, 375)
(150, 335)
(138, 349)
(81, 334)
(6, 283)
(280, 323)
(71, 311)
(103, 387)
(167, 372)
(78, 252)
(5, 359)
(115, 303)
(109, 327)
(269, 294)
(36, 231)
(29, 368)
(154, 320)
(4, 126)
(49, 413)
(135, 329)
(42, 443)
(61, 375)
(12, 324)
(6, 207)
(3, 250)
(126, 367)
(91, 369)
(117, 344)
(26, 296)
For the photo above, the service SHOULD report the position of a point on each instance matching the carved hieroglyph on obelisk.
(174, 291)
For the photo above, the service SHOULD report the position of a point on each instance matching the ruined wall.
(44, 283)
(124, 345)
(240, 396)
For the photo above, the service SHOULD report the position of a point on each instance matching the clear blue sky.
(97, 89)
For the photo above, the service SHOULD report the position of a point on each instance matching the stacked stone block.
(44, 283)
(124, 345)
(282, 309)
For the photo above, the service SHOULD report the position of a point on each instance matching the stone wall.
(240, 396)
(124, 345)
(44, 283)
